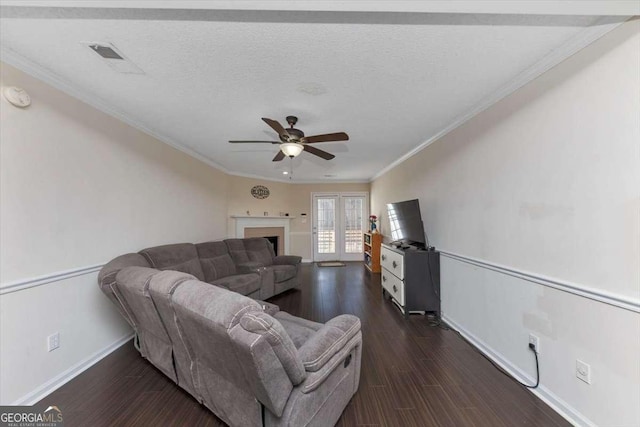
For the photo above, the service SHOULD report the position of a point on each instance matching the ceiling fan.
(293, 142)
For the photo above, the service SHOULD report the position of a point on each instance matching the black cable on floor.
(435, 321)
(537, 371)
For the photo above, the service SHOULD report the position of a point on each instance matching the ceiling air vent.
(114, 58)
(105, 51)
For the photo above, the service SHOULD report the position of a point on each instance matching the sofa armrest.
(349, 354)
(287, 260)
(250, 267)
(329, 340)
(108, 273)
(267, 307)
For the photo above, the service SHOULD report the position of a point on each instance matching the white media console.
(411, 277)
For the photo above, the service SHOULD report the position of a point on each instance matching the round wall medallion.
(260, 192)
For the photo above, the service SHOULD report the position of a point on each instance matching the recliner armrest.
(268, 307)
(329, 340)
(250, 267)
(347, 355)
(287, 260)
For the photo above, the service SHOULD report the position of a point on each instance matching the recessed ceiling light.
(285, 173)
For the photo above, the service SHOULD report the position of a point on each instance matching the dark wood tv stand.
(411, 277)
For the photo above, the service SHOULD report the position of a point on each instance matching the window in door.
(339, 220)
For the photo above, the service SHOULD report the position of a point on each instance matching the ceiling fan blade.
(254, 142)
(273, 124)
(338, 136)
(278, 156)
(318, 152)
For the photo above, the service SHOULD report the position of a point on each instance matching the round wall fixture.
(17, 96)
(260, 192)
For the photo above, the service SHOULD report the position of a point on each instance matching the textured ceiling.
(390, 80)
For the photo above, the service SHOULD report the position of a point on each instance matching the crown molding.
(601, 27)
(41, 73)
(293, 181)
(581, 40)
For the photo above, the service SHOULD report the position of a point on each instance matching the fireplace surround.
(265, 226)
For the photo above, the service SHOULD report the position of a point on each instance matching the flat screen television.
(405, 223)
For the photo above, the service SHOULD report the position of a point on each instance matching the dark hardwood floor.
(412, 374)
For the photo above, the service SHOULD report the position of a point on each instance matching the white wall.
(284, 197)
(77, 188)
(546, 181)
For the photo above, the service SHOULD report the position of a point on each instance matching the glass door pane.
(353, 224)
(325, 227)
(339, 221)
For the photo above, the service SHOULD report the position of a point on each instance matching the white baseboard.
(543, 393)
(59, 380)
(307, 261)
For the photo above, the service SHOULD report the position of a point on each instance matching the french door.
(339, 219)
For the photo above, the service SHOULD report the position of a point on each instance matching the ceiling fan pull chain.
(290, 168)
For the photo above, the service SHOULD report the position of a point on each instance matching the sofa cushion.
(259, 249)
(215, 260)
(281, 344)
(243, 284)
(299, 329)
(180, 257)
(283, 272)
(237, 251)
(255, 249)
(287, 259)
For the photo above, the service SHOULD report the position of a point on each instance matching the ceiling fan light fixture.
(291, 149)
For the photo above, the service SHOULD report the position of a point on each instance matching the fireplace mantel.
(263, 217)
(245, 221)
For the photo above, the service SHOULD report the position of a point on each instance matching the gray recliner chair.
(247, 366)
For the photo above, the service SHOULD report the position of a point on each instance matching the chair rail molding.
(621, 301)
(32, 282)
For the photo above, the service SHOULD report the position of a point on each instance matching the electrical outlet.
(583, 371)
(53, 341)
(533, 339)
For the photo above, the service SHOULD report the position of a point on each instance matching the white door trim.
(340, 255)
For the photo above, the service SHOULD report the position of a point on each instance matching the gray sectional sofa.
(247, 266)
(248, 362)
